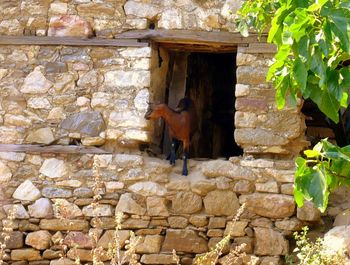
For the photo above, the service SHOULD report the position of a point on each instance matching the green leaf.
(311, 184)
(329, 106)
(276, 23)
(300, 74)
(339, 23)
(281, 91)
(287, 37)
(312, 153)
(333, 83)
(344, 100)
(302, 49)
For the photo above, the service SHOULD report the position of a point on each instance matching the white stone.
(36, 82)
(41, 136)
(136, 23)
(140, 9)
(120, 78)
(42, 208)
(56, 114)
(39, 239)
(73, 183)
(127, 204)
(98, 210)
(10, 135)
(58, 8)
(26, 192)
(64, 82)
(137, 52)
(83, 101)
(141, 64)
(39, 103)
(17, 56)
(241, 90)
(136, 135)
(112, 186)
(126, 119)
(35, 160)
(101, 99)
(127, 160)
(148, 188)
(65, 209)
(141, 100)
(3, 73)
(11, 27)
(53, 168)
(17, 120)
(12, 156)
(270, 186)
(337, 240)
(102, 160)
(16, 211)
(5, 172)
(93, 141)
(230, 8)
(89, 79)
(170, 19)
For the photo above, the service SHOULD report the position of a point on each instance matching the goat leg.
(184, 168)
(172, 152)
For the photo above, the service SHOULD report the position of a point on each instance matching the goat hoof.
(184, 173)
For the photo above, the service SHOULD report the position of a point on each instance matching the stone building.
(76, 77)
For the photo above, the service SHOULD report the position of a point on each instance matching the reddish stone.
(70, 26)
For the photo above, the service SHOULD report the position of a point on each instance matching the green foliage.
(313, 253)
(313, 51)
(312, 39)
(323, 169)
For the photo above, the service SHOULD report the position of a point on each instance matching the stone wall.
(108, 18)
(54, 196)
(97, 96)
(44, 90)
(261, 128)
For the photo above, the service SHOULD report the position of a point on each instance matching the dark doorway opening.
(209, 80)
(320, 127)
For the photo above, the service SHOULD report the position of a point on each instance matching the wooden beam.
(259, 48)
(70, 41)
(185, 47)
(57, 149)
(191, 37)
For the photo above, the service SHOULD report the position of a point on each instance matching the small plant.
(6, 231)
(313, 253)
(114, 248)
(235, 254)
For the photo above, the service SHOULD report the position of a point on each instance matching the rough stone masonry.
(97, 96)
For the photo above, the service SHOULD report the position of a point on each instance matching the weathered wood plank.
(191, 36)
(58, 149)
(70, 41)
(211, 48)
(259, 48)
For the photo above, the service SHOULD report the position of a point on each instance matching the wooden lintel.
(259, 48)
(191, 37)
(185, 47)
(57, 149)
(70, 41)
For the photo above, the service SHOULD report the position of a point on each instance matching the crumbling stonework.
(173, 212)
(97, 96)
(107, 18)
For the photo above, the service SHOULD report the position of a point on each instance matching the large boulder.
(269, 205)
(337, 241)
(87, 123)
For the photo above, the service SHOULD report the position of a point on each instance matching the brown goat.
(181, 123)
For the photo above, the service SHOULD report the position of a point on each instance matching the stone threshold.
(59, 149)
